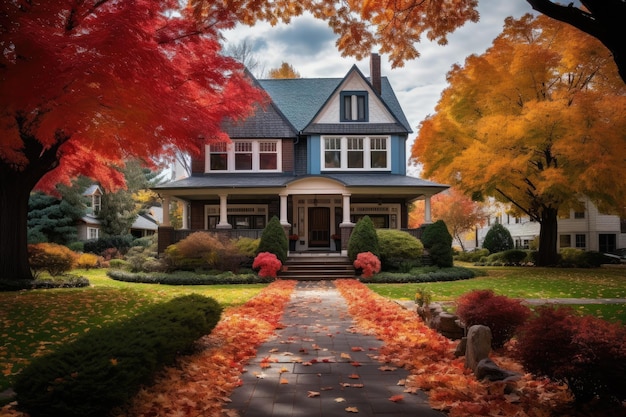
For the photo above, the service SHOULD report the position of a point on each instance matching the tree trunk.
(548, 234)
(14, 194)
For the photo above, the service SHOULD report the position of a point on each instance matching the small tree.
(498, 239)
(438, 241)
(363, 239)
(274, 240)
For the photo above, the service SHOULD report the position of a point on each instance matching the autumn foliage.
(368, 263)
(587, 353)
(51, 257)
(503, 315)
(268, 265)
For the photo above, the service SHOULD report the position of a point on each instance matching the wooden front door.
(319, 227)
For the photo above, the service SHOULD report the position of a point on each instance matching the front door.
(319, 227)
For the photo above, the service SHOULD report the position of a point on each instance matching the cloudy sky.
(309, 46)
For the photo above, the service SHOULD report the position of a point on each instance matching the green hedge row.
(185, 278)
(428, 274)
(106, 367)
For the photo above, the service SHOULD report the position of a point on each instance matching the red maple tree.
(85, 85)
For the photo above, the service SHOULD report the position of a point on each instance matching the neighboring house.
(587, 230)
(89, 226)
(322, 154)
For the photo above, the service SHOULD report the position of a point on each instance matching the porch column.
(283, 210)
(427, 218)
(223, 224)
(166, 211)
(185, 214)
(346, 209)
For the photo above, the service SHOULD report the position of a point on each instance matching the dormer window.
(354, 106)
(96, 203)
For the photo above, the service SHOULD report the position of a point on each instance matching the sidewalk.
(319, 366)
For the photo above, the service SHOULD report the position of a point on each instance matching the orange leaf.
(396, 398)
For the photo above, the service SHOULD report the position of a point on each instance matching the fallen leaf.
(357, 349)
(340, 400)
(312, 394)
(352, 409)
(353, 376)
(284, 381)
(346, 356)
(387, 368)
(396, 398)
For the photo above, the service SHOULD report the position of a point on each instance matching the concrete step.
(317, 267)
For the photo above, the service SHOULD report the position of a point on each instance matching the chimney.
(375, 72)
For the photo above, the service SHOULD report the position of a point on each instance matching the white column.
(166, 211)
(185, 214)
(283, 210)
(223, 224)
(427, 218)
(346, 209)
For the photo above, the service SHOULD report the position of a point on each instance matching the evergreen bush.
(438, 241)
(498, 239)
(500, 313)
(398, 250)
(514, 256)
(274, 240)
(104, 368)
(363, 239)
(587, 353)
(473, 256)
(100, 246)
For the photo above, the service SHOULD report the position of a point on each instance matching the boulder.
(487, 369)
(478, 345)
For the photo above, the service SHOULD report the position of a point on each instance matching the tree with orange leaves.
(538, 121)
(457, 210)
(396, 26)
(84, 85)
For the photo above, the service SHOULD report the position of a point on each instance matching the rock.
(461, 348)
(478, 345)
(449, 327)
(487, 369)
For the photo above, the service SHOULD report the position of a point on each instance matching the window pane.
(379, 159)
(347, 107)
(355, 159)
(243, 161)
(565, 241)
(268, 161)
(360, 107)
(219, 162)
(581, 241)
(332, 159)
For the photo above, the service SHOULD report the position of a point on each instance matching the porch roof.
(351, 180)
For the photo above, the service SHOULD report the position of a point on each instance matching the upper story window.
(353, 106)
(244, 156)
(356, 153)
(96, 203)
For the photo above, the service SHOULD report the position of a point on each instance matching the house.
(322, 154)
(88, 227)
(587, 229)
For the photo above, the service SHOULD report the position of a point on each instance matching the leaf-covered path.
(320, 364)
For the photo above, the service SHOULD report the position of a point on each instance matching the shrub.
(185, 278)
(587, 353)
(56, 259)
(100, 246)
(438, 241)
(363, 239)
(578, 258)
(473, 256)
(88, 261)
(425, 274)
(247, 246)
(501, 314)
(199, 250)
(514, 256)
(119, 264)
(498, 239)
(77, 246)
(267, 264)
(368, 263)
(398, 250)
(104, 368)
(274, 240)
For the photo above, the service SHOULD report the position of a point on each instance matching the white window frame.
(93, 230)
(257, 150)
(367, 152)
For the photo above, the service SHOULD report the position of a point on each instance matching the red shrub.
(268, 265)
(368, 262)
(587, 353)
(501, 314)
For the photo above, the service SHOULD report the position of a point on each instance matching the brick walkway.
(312, 370)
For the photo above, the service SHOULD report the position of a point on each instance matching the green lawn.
(517, 282)
(34, 322)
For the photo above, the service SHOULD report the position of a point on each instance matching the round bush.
(56, 259)
(363, 239)
(438, 241)
(498, 239)
(398, 250)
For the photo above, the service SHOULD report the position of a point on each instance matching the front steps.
(316, 267)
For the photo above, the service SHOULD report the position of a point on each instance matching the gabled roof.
(301, 99)
(93, 189)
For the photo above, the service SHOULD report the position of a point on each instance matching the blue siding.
(313, 148)
(398, 155)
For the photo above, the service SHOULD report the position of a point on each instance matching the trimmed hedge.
(399, 251)
(363, 239)
(185, 278)
(274, 240)
(106, 367)
(427, 274)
